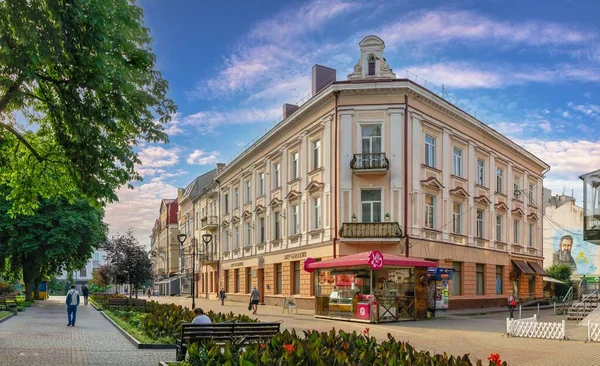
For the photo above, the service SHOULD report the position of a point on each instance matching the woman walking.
(222, 296)
(512, 303)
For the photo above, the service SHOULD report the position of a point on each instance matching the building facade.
(165, 249)
(84, 274)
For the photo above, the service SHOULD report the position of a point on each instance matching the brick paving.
(40, 336)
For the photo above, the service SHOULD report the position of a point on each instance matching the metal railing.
(567, 301)
(382, 230)
(370, 161)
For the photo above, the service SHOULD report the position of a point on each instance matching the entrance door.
(260, 273)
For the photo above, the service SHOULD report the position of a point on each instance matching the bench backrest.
(134, 302)
(222, 332)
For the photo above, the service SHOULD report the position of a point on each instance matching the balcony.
(209, 222)
(373, 163)
(372, 231)
(210, 257)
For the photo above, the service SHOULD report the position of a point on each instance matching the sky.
(531, 72)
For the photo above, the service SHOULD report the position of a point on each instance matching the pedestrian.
(254, 297)
(86, 293)
(72, 301)
(222, 296)
(200, 318)
(149, 292)
(512, 303)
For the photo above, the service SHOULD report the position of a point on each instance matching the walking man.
(512, 303)
(86, 293)
(254, 297)
(72, 301)
(222, 296)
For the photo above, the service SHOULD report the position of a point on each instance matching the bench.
(222, 333)
(126, 302)
(8, 303)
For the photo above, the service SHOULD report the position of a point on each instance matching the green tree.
(128, 262)
(561, 272)
(58, 236)
(100, 281)
(82, 74)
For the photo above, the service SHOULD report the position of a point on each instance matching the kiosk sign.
(375, 259)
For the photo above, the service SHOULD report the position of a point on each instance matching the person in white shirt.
(200, 318)
(72, 301)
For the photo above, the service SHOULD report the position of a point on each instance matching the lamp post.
(181, 239)
(206, 238)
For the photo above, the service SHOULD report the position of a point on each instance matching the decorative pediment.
(459, 191)
(275, 202)
(432, 182)
(501, 206)
(259, 209)
(225, 223)
(518, 212)
(482, 199)
(246, 215)
(292, 195)
(533, 216)
(314, 186)
(235, 220)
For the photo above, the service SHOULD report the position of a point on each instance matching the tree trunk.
(36, 290)
(28, 278)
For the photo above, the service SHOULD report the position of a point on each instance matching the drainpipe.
(406, 174)
(335, 179)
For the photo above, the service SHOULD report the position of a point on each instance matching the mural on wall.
(570, 248)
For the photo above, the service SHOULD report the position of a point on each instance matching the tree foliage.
(58, 236)
(83, 75)
(561, 272)
(128, 262)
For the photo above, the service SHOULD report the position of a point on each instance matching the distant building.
(84, 274)
(164, 249)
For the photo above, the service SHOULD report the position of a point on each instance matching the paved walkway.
(40, 336)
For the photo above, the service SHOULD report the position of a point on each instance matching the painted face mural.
(581, 256)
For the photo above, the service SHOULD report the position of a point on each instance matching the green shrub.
(6, 288)
(20, 308)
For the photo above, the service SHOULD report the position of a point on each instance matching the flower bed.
(320, 349)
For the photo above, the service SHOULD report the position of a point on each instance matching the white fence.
(593, 334)
(531, 328)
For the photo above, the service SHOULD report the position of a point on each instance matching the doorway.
(260, 274)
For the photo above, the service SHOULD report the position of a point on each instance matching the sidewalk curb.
(482, 312)
(134, 341)
(7, 317)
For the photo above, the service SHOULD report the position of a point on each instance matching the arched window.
(371, 65)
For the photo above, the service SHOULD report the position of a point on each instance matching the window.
(479, 224)
(371, 65)
(457, 279)
(83, 272)
(277, 225)
(236, 278)
(371, 139)
(226, 241)
(499, 180)
(531, 240)
(499, 227)
(517, 187)
(457, 219)
(276, 175)
(480, 171)
(479, 276)
(236, 243)
(499, 280)
(371, 205)
(236, 197)
(248, 235)
(316, 154)
(226, 280)
(278, 279)
(295, 222)
(430, 151)
(296, 268)
(457, 157)
(429, 211)
(261, 184)
(516, 231)
(294, 165)
(316, 204)
(248, 280)
(531, 193)
(261, 230)
(248, 190)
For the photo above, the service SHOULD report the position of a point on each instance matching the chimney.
(288, 109)
(220, 166)
(321, 77)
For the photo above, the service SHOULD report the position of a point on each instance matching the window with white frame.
(261, 184)
(370, 205)
(236, 238)
(226, 201)
(457, 218)
(479, 224)
(226, 240)
(236, 197)
(517, 187)
(480, 171)
(316, 219)
(371, 139)
(499, 180)
(531, 193)
(316, 154)
(499, 227)
(295, 220)
(429, 211)
(530, 242)
(261, 230)
(457, 162)
(430, 151)
(294, 165)
(248, 234)
(248, 191)
(516, 231)
(276, 225)
(276, 175)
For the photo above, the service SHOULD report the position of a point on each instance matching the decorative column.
(346, 154)
(417, 160)
(396, 162)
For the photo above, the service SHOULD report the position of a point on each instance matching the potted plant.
(387, 216)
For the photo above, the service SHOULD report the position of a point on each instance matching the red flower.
(289, 348)
(495, 358)
(262, 346)
(366, 331)
(345, 345)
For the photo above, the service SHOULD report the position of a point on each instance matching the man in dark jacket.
(86, 293)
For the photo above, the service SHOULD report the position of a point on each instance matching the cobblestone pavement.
(478, 335)
(40, 336)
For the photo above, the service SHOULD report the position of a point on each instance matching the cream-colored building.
(165, 248)
(380, 163)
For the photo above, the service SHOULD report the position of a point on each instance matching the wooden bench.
(8, 303)
(126, 302)
(221, 333)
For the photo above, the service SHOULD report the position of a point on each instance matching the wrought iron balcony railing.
(371, 230)
(371, 161)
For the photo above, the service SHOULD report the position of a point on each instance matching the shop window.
(248, 280)
(499, 273)
(479, 278)
(278, 279)
(236, 274)
(531, 286)
(296, 269)
(457, 279)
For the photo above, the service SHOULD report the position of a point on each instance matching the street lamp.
(206, 238)
(181, 238)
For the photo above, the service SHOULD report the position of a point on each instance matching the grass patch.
(4, 314)
(95, 303)
(136, 332)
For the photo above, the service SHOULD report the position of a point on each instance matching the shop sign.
(344, 280)
(375, 259)
(237, 264)
(307, 262)
(295, 255)
(440, 273)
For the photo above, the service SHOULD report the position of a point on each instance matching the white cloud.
(566, 114)
(201, 157)
(459, 75)
(158, 157)
(173, 127)
(509, 128)
(566, 158)
(206, 122)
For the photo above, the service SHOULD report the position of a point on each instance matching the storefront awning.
(523, 267)
(362, 259)
(537, 268)
(553, 280)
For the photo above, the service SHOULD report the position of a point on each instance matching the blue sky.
(532, 72)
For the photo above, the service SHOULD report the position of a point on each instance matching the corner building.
(380, 163)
